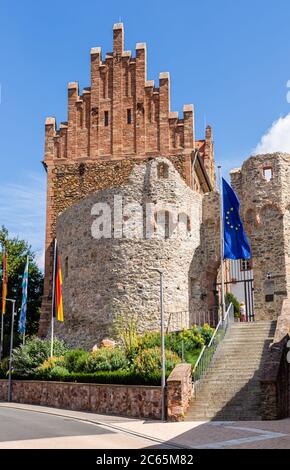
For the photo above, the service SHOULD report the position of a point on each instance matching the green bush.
(148, 361)
(76, 360)
(58, 373)
(121, 377)
(192, 338)
(27, 358)
(230, 298)
(127, 333)
(50, 363)
(206, 332)
(4, 367)
(106, 359)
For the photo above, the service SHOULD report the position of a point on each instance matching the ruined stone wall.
(265, 210)
(106, 278)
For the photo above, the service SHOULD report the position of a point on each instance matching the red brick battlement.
(121, 114)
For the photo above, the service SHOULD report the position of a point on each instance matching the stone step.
(233, 404)
(225, 379)
(230, 389)
(226, 416)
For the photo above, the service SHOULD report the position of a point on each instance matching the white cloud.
(277, 138)
(22, 211)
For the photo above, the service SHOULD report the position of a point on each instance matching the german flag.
(57, 301)
(5, 280)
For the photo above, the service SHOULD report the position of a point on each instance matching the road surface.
(26, 429)
(35, 427)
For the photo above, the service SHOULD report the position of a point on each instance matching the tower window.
(106, 118)
(245, 264)
(129, 116)
(268, 173)
(162, 170)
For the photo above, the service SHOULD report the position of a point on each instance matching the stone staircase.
(230, 390)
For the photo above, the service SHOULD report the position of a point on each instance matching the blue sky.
(230, 59)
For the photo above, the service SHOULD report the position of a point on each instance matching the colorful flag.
(22, 317)
(236, 245)
(5, 280)
(57, 301)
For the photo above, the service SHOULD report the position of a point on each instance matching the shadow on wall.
(203, 271)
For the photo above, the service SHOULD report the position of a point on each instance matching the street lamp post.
(11, 349)
(163, 371)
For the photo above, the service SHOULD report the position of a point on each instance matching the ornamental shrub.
(230, 298)
(106, 359)
(148, 361)
(4, 367)
(76, 360)
(28, 357)
(192, 338)
(58, 373)
(120, 376)
(126, 332)
(50, 363)
(206, 332)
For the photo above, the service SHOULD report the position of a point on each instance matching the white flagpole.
(222, 243)
(27, 262)
(2, 316)
(53, 300)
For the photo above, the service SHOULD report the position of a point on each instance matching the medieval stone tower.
(262, 185)
(122, 139)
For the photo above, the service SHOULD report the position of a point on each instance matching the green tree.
(17, 252)
(230, 298)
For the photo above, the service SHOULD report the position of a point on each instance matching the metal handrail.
(199, 358)
(207, 353)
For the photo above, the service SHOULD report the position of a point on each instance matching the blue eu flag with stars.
(236, 245)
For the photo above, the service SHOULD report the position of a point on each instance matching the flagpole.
(52, 303)
(27, 262)
(2, 335)
(2, 314)
(222, 246)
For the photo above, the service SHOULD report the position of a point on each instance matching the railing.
(207, 353)
(177, 321)
(181, 319)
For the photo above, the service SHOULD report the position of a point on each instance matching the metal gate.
(239, 281)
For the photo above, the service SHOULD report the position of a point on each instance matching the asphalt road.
(34, 430)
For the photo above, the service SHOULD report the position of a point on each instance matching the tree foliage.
(17, 252)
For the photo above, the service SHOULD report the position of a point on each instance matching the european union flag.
(236, 245)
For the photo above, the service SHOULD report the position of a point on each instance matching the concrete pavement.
(34, 427)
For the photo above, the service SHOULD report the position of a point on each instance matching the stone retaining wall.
(133, 401)
(124, 400)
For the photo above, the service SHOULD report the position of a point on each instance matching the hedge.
(119, 377)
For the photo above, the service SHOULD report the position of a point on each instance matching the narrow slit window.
(66, 267)
(106, 118)
(129, 116)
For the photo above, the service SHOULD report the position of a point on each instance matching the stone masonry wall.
(134, 401)
(121, 119)
(275, 376)
(124, 400)
(265, 207)
(106, 278)
(179, 392)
